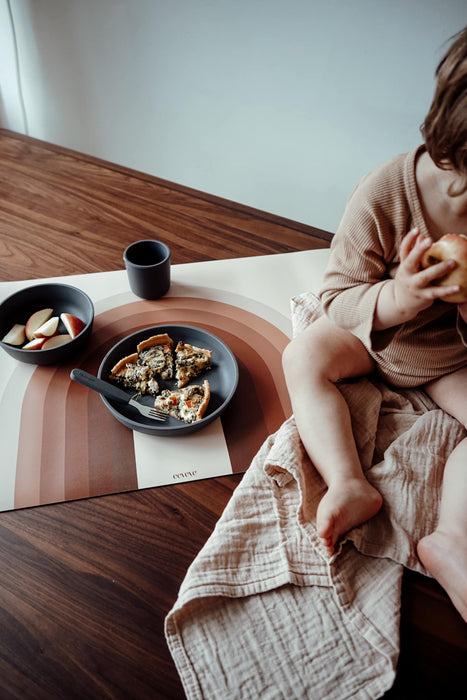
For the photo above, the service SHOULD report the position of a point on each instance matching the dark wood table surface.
(85, 585)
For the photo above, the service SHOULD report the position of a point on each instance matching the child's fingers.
(435, 272)
(413, 246)
(408, 243)
(412, 249)
(447, 291)
(433, 292)
(427, 280)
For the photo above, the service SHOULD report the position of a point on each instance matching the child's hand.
(413, 287)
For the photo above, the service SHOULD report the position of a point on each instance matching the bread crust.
(161, 339)
(121, 364)
(204, 404)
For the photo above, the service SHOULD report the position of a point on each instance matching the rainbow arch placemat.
(71, 447)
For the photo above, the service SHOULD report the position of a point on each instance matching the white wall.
(278, 104)
(11, 111)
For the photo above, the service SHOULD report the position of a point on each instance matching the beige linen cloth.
(262, 613)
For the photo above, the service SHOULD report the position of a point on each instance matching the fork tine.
(148, 411)
(154, 413)
(151, 413)
(158, 417)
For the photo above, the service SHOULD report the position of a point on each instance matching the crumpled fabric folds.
(262, 613)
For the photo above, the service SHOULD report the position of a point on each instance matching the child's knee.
(291, 356)
(305, 353)
(325, 353)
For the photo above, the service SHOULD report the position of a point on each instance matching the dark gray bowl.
(62, 298)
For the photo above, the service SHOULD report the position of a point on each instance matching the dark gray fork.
(113, 392)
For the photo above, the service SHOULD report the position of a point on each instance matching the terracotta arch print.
(71, 447)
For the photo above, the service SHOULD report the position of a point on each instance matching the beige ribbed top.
(364, 255)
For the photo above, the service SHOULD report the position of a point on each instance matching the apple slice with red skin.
(73, 324)
(56, 340)
(48, 328)
(36, 320)
(34, 344)
(16, 335)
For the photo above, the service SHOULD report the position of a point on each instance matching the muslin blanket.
(262, 613)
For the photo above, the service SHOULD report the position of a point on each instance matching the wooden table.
(85, 585)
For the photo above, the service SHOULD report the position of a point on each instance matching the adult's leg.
(444, 552)
(313, 363)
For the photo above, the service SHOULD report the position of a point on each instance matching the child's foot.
(445, 557)
(344, 506)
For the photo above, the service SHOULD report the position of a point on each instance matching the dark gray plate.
(222, 377)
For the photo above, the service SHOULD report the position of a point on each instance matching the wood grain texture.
(64, 213)
(85, 585)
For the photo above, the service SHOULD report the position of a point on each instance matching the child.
(384, 313)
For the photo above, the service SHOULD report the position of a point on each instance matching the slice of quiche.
(134, 376)
(188, 404)
(156, 353)
(190, 361)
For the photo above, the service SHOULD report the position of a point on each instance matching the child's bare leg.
(313, 362)
(444, 552)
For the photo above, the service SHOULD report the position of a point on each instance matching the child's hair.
(445, 127)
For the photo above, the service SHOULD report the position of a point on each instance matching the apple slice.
(36, 320)
(73, 324)
(56, 340)
(48, 328)
(34, 344)
(16, 335)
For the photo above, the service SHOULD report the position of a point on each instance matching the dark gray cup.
(148, 267)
